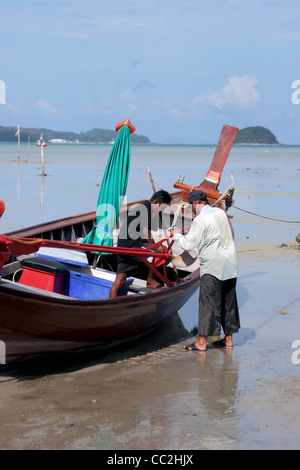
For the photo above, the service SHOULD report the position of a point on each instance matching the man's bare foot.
(154, 285)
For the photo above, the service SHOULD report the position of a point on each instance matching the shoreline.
(265, 250)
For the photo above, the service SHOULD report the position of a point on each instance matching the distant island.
(97, 136)
(248, 135)
(255, 135)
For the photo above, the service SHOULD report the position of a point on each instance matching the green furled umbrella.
(113, 187)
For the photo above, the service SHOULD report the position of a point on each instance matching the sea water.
(266, 181)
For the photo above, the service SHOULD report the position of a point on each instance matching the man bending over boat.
(135, 232)
(212, 235)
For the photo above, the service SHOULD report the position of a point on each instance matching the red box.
(44, 274)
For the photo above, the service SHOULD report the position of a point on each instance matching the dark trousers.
(218, 306)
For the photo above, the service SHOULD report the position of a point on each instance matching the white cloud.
(46, 107)
(128, 101)
(177, 114)
(90, 107)
(239, 91)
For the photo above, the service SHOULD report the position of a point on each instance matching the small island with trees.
(255, 135)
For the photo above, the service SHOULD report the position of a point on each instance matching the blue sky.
(178, 69)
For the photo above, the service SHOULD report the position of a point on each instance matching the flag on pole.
(18, 131)
(41, 142)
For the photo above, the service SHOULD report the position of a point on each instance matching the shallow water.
(261, 175)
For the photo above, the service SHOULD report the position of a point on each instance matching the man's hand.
(175, 230)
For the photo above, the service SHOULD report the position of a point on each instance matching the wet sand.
(154, 395)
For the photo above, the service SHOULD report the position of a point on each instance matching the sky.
(178, 69)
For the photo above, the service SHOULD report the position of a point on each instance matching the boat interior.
(63, 278)
(67, 274)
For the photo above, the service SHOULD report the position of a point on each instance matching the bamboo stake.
(168, 242)
(151, 180)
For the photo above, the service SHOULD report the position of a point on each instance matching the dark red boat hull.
(33, 323)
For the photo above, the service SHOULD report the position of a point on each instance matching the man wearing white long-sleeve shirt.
(211, 234)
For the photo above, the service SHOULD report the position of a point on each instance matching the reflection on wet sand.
(152, 395)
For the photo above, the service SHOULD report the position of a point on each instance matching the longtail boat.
(54, 297)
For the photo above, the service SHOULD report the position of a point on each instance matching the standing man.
(135, 232)
(211, 234)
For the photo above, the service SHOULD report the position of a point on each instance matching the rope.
(37, 241)
(269, 218)
(18, 270)
(228, 190)
(180, 206)
(252, 213)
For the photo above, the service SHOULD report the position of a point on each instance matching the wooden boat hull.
(33, 323)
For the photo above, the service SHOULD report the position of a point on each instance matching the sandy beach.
(154, 395)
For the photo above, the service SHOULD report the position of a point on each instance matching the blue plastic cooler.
(84, 287)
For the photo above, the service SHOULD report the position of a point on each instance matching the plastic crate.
(45, 274)
(85, 287)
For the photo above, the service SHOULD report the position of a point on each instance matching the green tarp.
(112, 190)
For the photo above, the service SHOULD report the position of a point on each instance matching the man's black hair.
(161, 196)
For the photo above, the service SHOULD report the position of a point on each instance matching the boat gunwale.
(187, 282)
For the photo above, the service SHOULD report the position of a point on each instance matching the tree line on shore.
(8, 134)
(248, 135)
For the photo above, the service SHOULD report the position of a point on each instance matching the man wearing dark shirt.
(135, 232)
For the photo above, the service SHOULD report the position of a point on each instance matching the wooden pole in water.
(151, 180)
(42, 157)
(41, 144)
(18, 134)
